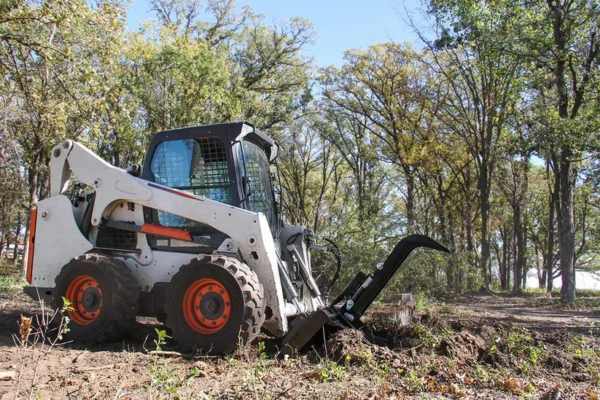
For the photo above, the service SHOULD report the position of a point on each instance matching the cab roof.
(228, 132)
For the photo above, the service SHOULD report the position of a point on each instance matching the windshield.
(258, 175)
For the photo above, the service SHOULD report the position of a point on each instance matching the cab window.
(197, 166)
(258, 174)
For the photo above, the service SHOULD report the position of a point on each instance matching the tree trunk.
(549, 256)
(505, 274)
(484, 198)
(410, 200)
(541, 272)
(17, 234)
(518, 256)
(33, 174)
(524, 269)
(566, 230)
(566, 220)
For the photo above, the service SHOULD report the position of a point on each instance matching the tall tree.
(566, 50)
(53, 54)
(384, 85)
(472, 59)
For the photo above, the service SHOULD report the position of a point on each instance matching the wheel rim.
(206, 306)
(85, 297)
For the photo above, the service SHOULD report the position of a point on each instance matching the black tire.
(246, 312)
(119, 296)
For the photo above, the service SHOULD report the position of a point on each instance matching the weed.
(528, 352)
(421, 301)
(8, 282)
(164, 379)
(329, 370)
(37, 337)
(428, 337)
(482, 374)
(582, 349)
(414, 383)
(262, 354)
(161, 336)
(529, 391)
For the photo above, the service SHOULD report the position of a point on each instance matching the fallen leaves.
(24, 328)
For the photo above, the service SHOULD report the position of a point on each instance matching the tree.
(513, 181)
(383, 85)
(229, 66)
(472, 59)
(566, 52)
(52, 53)
(177, 81)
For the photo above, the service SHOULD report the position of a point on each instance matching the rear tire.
(215, 303)
(103, 296)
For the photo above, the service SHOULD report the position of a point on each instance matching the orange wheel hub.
(206, 306)
(86, 300)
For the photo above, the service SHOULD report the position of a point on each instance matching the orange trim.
(166, 232)
(75, 291)
(191, 306)
(31, 245)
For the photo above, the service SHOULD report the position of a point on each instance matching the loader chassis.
(122, 197)
(193, 238)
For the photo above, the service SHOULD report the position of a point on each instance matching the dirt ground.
(479, 347)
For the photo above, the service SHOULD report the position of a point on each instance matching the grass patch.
(556, 292)
(9, 282)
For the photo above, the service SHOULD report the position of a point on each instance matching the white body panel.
(57, 240)
(249, 231)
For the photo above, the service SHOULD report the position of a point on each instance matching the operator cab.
(228, 163)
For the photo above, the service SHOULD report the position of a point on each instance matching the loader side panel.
(57, 240)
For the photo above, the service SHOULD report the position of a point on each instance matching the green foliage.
(161, 338)
(9, 282)
(527, 351)
(329, 371)
(395, 141)
(414, 382)
(164, 379)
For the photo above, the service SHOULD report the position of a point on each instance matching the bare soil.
(480, 347)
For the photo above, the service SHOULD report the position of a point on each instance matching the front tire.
(103, 296)
(214, 303)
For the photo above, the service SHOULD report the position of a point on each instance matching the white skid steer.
(192, 237)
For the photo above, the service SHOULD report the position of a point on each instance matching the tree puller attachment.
(193, 237)
(349, 306)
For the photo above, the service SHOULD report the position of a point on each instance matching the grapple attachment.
(355, 299)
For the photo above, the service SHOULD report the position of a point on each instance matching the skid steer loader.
(193, 237)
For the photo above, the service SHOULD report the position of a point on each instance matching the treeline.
(484, 139)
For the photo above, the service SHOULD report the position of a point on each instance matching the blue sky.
(340, 24)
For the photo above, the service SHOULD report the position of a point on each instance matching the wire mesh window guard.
(198, 166)
(259, 175)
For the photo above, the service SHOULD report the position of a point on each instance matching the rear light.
(32, 222)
